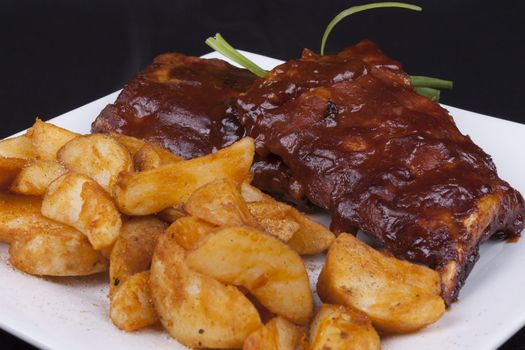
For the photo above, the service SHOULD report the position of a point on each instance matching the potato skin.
(398, 296)
(337, 327)
(195, 309)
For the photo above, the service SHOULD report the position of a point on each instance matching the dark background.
(58, 55)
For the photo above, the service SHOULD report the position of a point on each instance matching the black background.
(58, 55)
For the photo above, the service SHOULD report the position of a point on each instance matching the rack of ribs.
(381, 158)
(345, 132)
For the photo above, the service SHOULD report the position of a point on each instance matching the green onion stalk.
(425, 86)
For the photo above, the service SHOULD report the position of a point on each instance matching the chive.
(430, 93)
(355, 9)
(219, 44)
(422, 81)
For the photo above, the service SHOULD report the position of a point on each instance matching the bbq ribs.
(345, 132)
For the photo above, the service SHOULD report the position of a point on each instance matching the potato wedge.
(309, 238)
(17, 147)
(133, 249)
(220, 203)
(273, 272)
(398, 296)
(41, 246)
(75, 199)
(63, 252)
(150, 157)
(9, 170)
(98, 156)
(151, 191)
(337, 327)
(195, 309)
(189, 231)
(274, 218)
(278, 334)
(312, 237)
(131, 143)
(131, 306)
(34, 179)
(47, 139)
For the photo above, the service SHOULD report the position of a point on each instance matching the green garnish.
(355, 9)
(219, 44)
(425, 86)
(430, 93)
(420, 81)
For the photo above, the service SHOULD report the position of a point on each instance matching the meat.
(360, 142)
(345, 132)
(179, 102)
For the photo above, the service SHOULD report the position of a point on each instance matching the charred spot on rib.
(330, 115)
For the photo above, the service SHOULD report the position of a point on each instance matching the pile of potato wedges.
(190, 244)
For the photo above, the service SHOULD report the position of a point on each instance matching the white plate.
(72, 313)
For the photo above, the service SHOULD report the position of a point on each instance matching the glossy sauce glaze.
(358, 141)
(179, 102)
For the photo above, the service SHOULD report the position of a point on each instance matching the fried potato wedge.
(131, 306)
(150, 157)
(306, 236)
(133, 249)
(220, 203)
(34, 179)
(75, 199)
(189, 231)
(131, 143)
(9, 170)
(63, 252)
(278, 334)
(98, 156)
(47, 139)
(337, 327)
(41, 246)
(273, 272)
(17, 147)
(151, 191)
(195, 309)
(273, 217)
(312, 237)
(398, 296)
